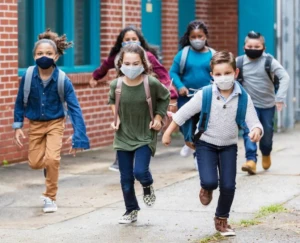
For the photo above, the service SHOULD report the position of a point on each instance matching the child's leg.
(267, 120)
(207, 158)
(227, 171)
(250, 147)
(141, 166)
(127, 179)
(54, 136)
(37, 145)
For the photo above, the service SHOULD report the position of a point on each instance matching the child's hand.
(183, 91)
(166, 139)
(74, 151)
(19, 133)
(255, 135)
(279, 106)
(115, 127)
(155, 125)
(93, 83)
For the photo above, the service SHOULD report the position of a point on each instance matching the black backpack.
(268, 62)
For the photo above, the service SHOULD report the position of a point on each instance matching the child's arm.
(284, 80)
(166, 139)
(253, 123)
(79, 138)
(175, 72)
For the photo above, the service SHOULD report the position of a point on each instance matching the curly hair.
(185, 40)
(118, 44)
(59, 43)
(134, 48)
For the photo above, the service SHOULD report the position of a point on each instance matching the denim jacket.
(44, 105)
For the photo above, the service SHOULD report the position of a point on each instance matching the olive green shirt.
(134, 114)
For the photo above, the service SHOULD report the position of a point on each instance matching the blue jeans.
(217, 164)
(134, 165)
(266, 117)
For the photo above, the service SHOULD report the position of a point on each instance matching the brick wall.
(169, 31)
(8, 76)
(222, 20)
(97, 113)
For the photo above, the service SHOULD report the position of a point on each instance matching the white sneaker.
(129, 217)
(195, 163)
(186, 151)
(49, 205)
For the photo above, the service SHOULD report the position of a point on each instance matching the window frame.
(39, 26)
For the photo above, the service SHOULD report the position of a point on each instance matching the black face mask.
(253, 54)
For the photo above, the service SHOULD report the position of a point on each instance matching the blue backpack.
(202, 118)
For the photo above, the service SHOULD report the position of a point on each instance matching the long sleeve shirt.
(222, 129)
(258, 84)
(158, 69)
(196, 73)
(44, 104)
(134, 114)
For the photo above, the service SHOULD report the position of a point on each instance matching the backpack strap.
(61, 89)
(117, 97)
(27, 84)
(268, 63)
(183, 58)
(213, 51)
(206, 105)
(242, 108)
(239, 65)
(148, 96)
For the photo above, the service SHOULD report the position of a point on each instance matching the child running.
(42, 93)
(136, 124)
(216, 150)
(130, 35)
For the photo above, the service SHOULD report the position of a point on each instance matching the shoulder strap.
(242, 108)
(206, 105)
(268, 63)
(213, 51)
(27, 84)
(61, 85)
(148, 95)
(239, 65)
(184, 54)
(117, 98)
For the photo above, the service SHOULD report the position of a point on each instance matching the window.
(78, 19)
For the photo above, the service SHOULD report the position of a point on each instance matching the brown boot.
(205, 196)
(222, 226)
(250, 167)
(266, 161)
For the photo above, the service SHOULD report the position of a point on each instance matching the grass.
(263, 212)
(213, 238)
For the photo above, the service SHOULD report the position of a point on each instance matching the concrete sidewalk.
(90, 200)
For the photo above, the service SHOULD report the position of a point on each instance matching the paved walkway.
(90, 200)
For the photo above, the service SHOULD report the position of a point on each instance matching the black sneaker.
(149, 196)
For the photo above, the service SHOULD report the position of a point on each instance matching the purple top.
(158, 69)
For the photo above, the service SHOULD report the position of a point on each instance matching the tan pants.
(45, 142)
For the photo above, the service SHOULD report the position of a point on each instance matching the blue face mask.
(132, 72)
(44, 62)
(130, 42)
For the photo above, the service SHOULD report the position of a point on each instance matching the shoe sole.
(230, 233)
(113, 169)
(127, 222)
(49, 210)
(247, 169)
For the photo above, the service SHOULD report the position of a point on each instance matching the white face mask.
(132, 72)
(224, 82)
(197, 44)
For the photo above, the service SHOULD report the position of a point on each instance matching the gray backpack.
(60, 86)
(184, 54)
